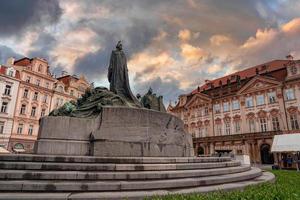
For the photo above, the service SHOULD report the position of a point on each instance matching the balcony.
(243, 136)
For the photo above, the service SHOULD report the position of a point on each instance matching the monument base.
(116, 132)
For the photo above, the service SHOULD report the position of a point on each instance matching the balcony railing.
(243, 136)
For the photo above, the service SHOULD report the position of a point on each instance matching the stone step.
(111, 166)
(80, 186)
(121, 175)
(117, 160)
(136, 195)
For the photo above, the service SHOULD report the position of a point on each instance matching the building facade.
(68, 88)
(240, 113)
(37, 94)
(9, 85)
(33, 101)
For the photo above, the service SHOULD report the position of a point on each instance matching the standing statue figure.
(118, 76)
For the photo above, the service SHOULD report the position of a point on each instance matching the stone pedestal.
(116, 132)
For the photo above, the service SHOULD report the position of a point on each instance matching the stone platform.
(89, 177)
(116, 132)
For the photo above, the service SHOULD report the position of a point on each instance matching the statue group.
(119, 93)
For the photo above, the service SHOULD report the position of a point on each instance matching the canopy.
(3, 150)
(286, 143)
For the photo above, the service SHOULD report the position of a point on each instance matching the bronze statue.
(151, 101)
(118, 76)
(91, 103)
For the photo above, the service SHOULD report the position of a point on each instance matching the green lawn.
(287, 187)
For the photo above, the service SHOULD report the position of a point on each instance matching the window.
(38, 82)
(251, 125)
(219, 129)
(23, 109)
(33, 110)
(7, 90)
(217, 108)
(294, 70)
(4, 107)
(237, 127)
(263, 124)
(45, 98)
(28, 79)
(294, 122)
(35, 96)
(30, 130)
(72, 93)
(260, 100)
(1, 127)
(226, 106)
(227, 127)
(289, 94)
(47, 85)
(39, 68)
(206, 111)
(275, 124)
(272, 97)
(249, 102)
(235, 105)
(25, 95)
(43, 112)
(11, 73)
(20, 129)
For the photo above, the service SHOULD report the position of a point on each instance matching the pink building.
(33, 101)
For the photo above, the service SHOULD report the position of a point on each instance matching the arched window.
(19, 146)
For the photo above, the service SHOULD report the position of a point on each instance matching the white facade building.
(9, 85)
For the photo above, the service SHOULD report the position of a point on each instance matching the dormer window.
(10, 73)
(294, 70)
(40, 68)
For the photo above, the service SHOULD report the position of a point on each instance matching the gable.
(197, 100)
(259, 83)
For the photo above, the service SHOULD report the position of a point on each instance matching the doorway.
(266, 155)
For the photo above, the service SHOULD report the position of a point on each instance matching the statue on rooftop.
(118, 76)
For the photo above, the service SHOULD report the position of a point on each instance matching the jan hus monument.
(110, 145)
(113, 123)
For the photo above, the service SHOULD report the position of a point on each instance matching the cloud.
(192, 54)
(219, 39)
(19, 16)
(184, 35)
(174, 43)
(6, 52)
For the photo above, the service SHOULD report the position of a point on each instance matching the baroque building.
(34, 94)
(240, 113)
(33, 101)
(9, 85)
(68, 88)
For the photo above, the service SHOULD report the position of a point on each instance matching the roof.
(286, 143)
(272, 69)
(3, 70)
(247, 73)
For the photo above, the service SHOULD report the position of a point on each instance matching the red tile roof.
(247, 73)
(3, 71)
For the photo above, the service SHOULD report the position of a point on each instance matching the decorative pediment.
(258, 83)
(250, 115)
(198, 99)
(274, 112)
(262, 114)
(292, 109)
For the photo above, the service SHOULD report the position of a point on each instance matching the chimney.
(289, 57)
(64, 73)
(10, 61)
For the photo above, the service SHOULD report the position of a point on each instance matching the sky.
(171, 45)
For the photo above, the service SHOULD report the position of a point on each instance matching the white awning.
(3, 150)
(286, 143)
